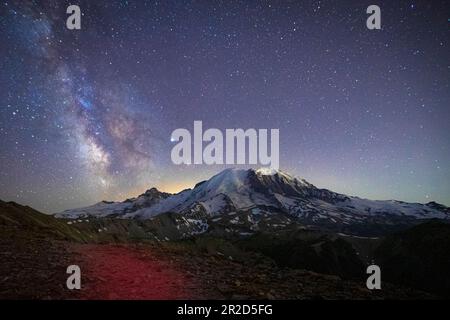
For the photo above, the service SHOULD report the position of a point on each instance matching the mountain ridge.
(265, 193)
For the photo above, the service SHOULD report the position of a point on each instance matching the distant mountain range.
(256, 197)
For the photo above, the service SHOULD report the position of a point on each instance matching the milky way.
(86, 114)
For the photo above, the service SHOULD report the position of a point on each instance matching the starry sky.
(86, 115)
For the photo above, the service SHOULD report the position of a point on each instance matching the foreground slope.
(33, 254)
(418, 257)
(35, 250)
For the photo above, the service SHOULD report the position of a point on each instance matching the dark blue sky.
(86, 115)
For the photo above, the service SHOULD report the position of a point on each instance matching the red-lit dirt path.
(129, 272)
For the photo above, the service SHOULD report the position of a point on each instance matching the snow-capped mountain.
(263, 191)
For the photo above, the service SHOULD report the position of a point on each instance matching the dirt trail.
(130, 272)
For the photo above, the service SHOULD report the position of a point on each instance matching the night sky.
(86, 115)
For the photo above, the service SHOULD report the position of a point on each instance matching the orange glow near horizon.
(170, 187)
(175, 187)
